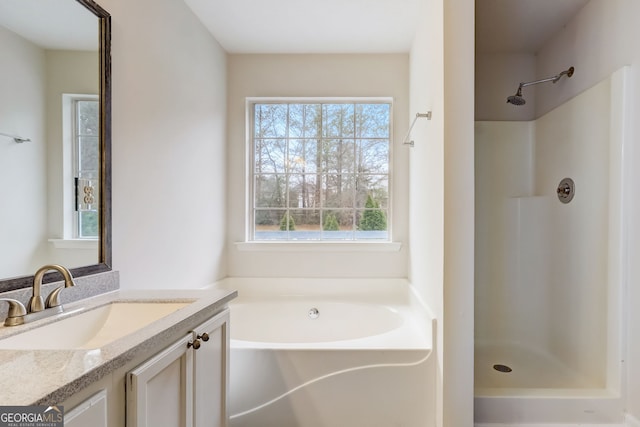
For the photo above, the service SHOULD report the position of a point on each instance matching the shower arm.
(553, 79)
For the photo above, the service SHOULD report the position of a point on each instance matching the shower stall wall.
(548, 306)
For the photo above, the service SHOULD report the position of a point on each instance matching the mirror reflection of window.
(84, 130)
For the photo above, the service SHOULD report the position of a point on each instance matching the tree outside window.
(321, 170)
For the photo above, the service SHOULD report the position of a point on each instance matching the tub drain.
(314, 313)
(502, 368)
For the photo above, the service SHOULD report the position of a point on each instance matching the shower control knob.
(566, 190)
(204, 337)
(195, 344)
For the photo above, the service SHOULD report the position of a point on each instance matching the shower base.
(538, 389)
(530, 368)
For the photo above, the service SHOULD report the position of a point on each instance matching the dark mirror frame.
(104, 252)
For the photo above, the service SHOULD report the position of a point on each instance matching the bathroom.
(171, 92)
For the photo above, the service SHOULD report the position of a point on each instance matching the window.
(83, 130)
(320, 170)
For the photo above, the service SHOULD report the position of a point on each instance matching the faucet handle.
(53, 300)
(15, 307)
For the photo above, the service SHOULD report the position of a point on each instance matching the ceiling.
(310, 26)
(51, 24)
(370, 26)
(520, 26)
(307, 26)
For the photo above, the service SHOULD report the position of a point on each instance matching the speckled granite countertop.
(48, 377)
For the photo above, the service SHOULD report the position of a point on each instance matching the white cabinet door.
(185, 385)
(91, 412)
(159, 392)
(211, 372)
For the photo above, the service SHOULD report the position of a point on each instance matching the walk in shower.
(548, 254)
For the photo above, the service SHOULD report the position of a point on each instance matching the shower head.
(517, 99)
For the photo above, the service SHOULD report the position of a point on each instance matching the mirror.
(55, 139)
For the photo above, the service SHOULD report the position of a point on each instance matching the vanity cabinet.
(90, 412)
(94, 406)
(185, 384)
(211, 373)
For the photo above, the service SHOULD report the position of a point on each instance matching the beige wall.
(599, 40)
(441, 189)
(321, 76)
(426, 180)
(458, 212)
(497, 77)
(169, 146)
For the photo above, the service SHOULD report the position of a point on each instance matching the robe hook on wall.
(426, 115)
(16, 138)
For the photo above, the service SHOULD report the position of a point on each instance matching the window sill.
(318, 246)
(74, 243)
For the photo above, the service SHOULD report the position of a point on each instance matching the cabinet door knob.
(204, 337)
(195, 344)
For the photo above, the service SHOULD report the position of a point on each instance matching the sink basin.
(93, 328)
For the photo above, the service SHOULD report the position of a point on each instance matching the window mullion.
(354, 191)
(287, 176)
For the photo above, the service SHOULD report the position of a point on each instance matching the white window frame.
(362, 244)
(70, 162)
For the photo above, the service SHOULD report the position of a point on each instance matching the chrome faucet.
(37, 307)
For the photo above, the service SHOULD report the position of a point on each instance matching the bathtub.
(329, 353)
